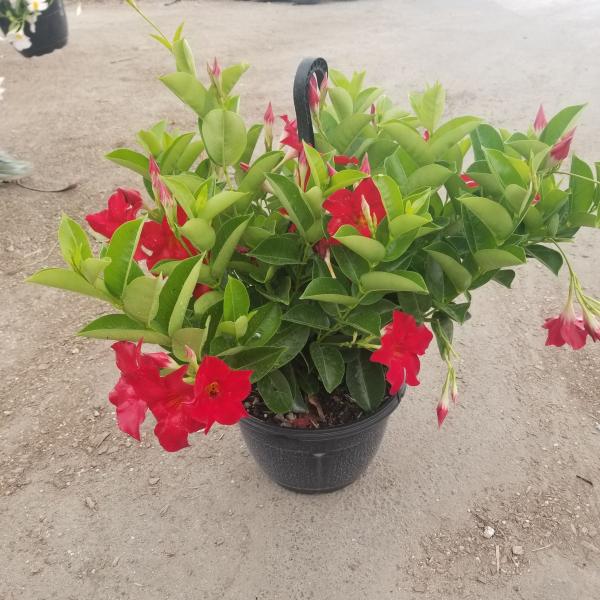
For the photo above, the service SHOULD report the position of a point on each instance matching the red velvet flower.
(136, 369)
(346, 207)
(540, 120)
(402, 342)
(290, 136)
(123, 206)
(158, 242)
(172, 403)
(470, 183)
(220, 392)
(567, 328)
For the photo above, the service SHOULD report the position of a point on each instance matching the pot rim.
(387, 407)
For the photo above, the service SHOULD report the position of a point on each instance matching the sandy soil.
(85, 513)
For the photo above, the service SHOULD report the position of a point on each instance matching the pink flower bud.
(540, 120)
(244, 167)
(324, 88)
(269, 117)
(216, 68)
(365, 166)
(442, 407)
(426, 135)
(269, 120)
(536, 199)
(161, 191)
(314, 96)
(592, 325)
(561, 149)
(330, 170)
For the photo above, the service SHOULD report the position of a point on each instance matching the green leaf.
(404, 224)
(291, 338)
(560, 123)
(219, 203)
(370, 249)
(411, 140)
(309, 314)
(365, 381)
(504, 277)
(140, 299)
(228, 238)
(121, 251)
(183, 297)
(275, 390)
(509, 170)
(391, 196)
(65, 279)
(429, 105)
(342, 102)
(263, 325)
(224, 136)
(236, 302)
(291, 199)
(329, 363)
(450, 263)
(344, 179)
(134, 161)
(170, 157)
(326, 289)
(317, 166)
(122, 327)
(432, 176)
(231, 75)
(582, 191)
(189, 90)
(345, 135)
(184, 59)
(451, 133)
(285, 249)
(365, 320)
(191, 337)
(206, 301)
(352, 265)
(92, 268)
(200, 233)
(258, 360)
(74, 243)
(399, 281)
(255, 176)
(499, 258)
(547, 256)
(173, 289)
(493, 215)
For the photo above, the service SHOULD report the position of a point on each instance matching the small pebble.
(518, 550)
(153, 480)
(488, 532)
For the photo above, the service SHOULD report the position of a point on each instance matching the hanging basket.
(51, 31)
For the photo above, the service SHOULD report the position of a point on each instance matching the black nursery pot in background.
(318, 460)
(51, 31)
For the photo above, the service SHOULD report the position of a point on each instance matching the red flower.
(442, 408)
(322, 247)
(426, 135)
(269, 117)
(592, 326)
(136, 369)
(567, 328)
(540, 120)
(536, 200)
(349, 207)
(200, 290)
(290, 136)
(220, 392)
(470, 183)
(560, 150)
(402, 342)
(172, 403)
(244, 167)
(123, 206)
(158, 242)
(342, 159)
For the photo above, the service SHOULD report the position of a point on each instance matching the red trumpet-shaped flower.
(355, 208)
(137, 369)
(158, 242)
(567, 328)
(402, 342)
(220, 392)
(123, 206)
(561, 149)
(540, 120)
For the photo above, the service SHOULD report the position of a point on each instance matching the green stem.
(578, 176)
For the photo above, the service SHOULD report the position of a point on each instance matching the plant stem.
(578, 176)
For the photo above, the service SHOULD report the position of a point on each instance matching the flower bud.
(269, 120)
(561, 149)
(540, 120)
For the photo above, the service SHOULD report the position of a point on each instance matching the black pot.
(319, 460)
(51, 31)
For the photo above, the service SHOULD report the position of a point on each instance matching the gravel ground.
(86, 513)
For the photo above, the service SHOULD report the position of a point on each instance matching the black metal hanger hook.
(306, 69)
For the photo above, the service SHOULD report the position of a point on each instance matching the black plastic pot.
(51, 31)
(319, 460)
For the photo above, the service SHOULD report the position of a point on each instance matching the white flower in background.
(32, 20)
(18, 39)
(37, 6)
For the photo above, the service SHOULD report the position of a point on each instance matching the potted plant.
(34, 27)
(294, 286)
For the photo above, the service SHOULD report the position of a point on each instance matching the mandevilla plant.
(295, 274)
(18, 13)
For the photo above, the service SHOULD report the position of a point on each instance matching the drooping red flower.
(219, 393)
(348, 207)
(470, 183)
(137, 369)
(290, 136)
(567, 328)
(540, 120)
(342, 159)
(402, 342)
(158, 242)
(172, 403)
(123, 206)
(442, 408)
(561, 149)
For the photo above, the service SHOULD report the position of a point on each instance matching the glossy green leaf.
(258, 360)
(309, 314)
(509, 170)
(391, 196)
(366, 247)
(206, 301)
(74, 243)
(493, 215)
(451, 133)
(447, 258)
(236, 301)
(134, 161)
(499, 258)
(404, 224)
(547, 256)
(346, 134)
(275, 390)
(342, 102)
(329, 363)
(191, 337)
(122, 327)
(399, 281)
(411, 140)
(189, 90)
(65, 279)
(582, 190)
(121, 251)
(344, 179)
(140, 298)
(200, 233)
(231, 75)
(228, 238)
(432, 176)
(326, 289)
(184, 296)
(170, 157)
(365, 381)
(184, 59)
(255, 176)
(560, 123)
(263, 325)
(318, 169)
(291, 338)
(224, 136)
(219, 203)
(285, 249)
(291, 199)
(429, 105)
(352, 265)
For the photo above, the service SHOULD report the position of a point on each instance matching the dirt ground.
(86, 514)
